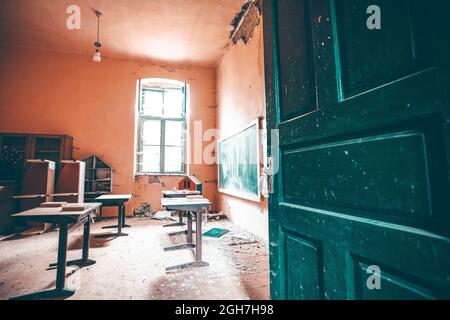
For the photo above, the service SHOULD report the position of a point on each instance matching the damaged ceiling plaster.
(245, 21)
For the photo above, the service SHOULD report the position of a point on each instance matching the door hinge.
(268, 171)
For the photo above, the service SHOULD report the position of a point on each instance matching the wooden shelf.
(39, 161)
(99, 176)
(64, 194)
(31, 196)
(70, 161)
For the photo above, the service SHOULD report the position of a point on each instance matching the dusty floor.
(133, 267)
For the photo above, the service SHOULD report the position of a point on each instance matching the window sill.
(160, 174)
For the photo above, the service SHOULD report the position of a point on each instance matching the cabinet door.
(17, 146)
(54, 147)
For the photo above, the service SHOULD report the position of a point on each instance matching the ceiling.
(179, 31)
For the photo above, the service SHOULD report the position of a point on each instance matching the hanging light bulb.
(97, 56)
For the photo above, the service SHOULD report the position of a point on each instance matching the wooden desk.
(115, 200)
(179, 194)
(63, 219)
(192, 206)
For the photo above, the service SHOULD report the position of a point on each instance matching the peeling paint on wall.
(241, 99)
(155, 180)
(245, 21)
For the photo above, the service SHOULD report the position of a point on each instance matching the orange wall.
(46, 92)
(241, 99)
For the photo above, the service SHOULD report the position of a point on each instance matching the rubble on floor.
(133, 267)
(247, 250)
(162, 215)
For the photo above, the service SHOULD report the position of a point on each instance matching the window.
(162, 128)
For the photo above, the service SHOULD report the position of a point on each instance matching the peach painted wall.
(48, 92)
(241, 99)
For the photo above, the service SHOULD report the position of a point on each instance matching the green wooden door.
(363, 151)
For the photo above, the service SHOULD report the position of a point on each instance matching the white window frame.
(163, 120)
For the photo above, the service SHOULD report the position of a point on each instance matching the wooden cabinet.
(51, 147)
(38, 184)
(39, 146)
(7, 207)
(25, 146)
(70, 183)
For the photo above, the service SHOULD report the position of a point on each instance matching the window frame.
(162, 120)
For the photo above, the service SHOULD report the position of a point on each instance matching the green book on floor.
(215, 232)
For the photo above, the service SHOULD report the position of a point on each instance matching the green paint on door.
(364, 128)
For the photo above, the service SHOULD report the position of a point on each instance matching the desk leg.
(121, 216)
(189, 226)
(189, 244)
(86, 239)
(187, 232)
(176, 224)
(62, 257)
(198, 237)
(100, 217)
(60, 292)
(124, 215)
(198, 246)
(119, 226)
(84, 261)
(120, 219)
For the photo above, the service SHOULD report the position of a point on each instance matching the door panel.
(352, 162)
(297, 252)
(398, 286)
(297, 91)
(403, 51)
(363, 148)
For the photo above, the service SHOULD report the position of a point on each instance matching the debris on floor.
(248, 253)
(237, 240)
(163, 215)
(144, 210)
(236, 272)
(214, 215)
(216, 232)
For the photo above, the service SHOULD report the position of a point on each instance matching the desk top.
(180, 193)
(56, 215)
(184, 203)
(115, 197)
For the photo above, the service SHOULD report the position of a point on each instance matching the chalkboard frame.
(237, 193)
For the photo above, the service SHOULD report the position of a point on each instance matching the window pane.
(151, 132)
(174, 133)
(173, 103)
(173, 159)
(152, 103)
(151, 159)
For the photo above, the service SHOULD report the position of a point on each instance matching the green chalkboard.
(239, 163)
